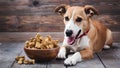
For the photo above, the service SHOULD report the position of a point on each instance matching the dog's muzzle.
(71, 38)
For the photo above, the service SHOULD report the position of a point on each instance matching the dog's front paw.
(70, 61)
(62, 53)
(73, 59)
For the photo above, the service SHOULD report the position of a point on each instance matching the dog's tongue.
(71, 40)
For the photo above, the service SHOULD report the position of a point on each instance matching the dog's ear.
(90, 10)
(61, 9)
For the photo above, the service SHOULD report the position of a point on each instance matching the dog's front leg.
(86, 53)
(63, 50)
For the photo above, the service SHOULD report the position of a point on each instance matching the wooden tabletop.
(106, 59)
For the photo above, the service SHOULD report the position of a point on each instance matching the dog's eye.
(78, 19)
(66, 18)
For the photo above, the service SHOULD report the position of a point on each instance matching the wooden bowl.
(42, 54)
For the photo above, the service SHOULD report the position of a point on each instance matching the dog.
(82, 34)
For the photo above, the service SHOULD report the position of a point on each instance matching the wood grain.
(111, 57)
(23, 36)
(51, 23)
(56, 64)
(39, 15)
(8, 52)
(105, 59)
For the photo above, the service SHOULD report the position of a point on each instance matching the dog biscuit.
(41, 43)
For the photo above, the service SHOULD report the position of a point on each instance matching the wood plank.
(26, 2)
(94, 0)
(50, 19)
(109, 7)
(50, 11)
(8, 52)
(105, 8)
(19, 12)
(108, 19)
(35, 27)
(113, 28)
(116, 37)
(36, 65)
(49, 23)
(56, 63)
(23, 36)
(93, 63)
(111, 57)
(13, 2)
(110, 10)
(26, 7)
(32, 27)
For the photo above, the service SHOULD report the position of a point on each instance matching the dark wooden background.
(38, 15)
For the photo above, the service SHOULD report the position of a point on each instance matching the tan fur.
(99, 35)
(86, 53)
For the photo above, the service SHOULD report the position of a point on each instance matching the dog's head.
(76, 19)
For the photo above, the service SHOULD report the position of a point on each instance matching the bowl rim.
(42, 49)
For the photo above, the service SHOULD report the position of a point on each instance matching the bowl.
(42, 54)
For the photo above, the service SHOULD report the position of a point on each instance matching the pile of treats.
(22, 60)
(41, 43)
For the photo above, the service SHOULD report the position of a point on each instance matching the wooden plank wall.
(38, 15)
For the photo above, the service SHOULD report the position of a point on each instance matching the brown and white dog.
(82, 34)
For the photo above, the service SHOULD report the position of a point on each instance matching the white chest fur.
(84, 42)
(81, 43)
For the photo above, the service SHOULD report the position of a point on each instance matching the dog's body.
(82, 34)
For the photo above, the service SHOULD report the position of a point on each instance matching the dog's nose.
(69, 33)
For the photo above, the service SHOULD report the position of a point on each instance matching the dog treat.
(32, 61)
(29, 61)
(41, 43)
(22, 60)
(19, 57)
(26, 61)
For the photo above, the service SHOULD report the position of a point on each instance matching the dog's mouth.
(71, 40)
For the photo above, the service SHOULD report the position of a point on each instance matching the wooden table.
(105, 59)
